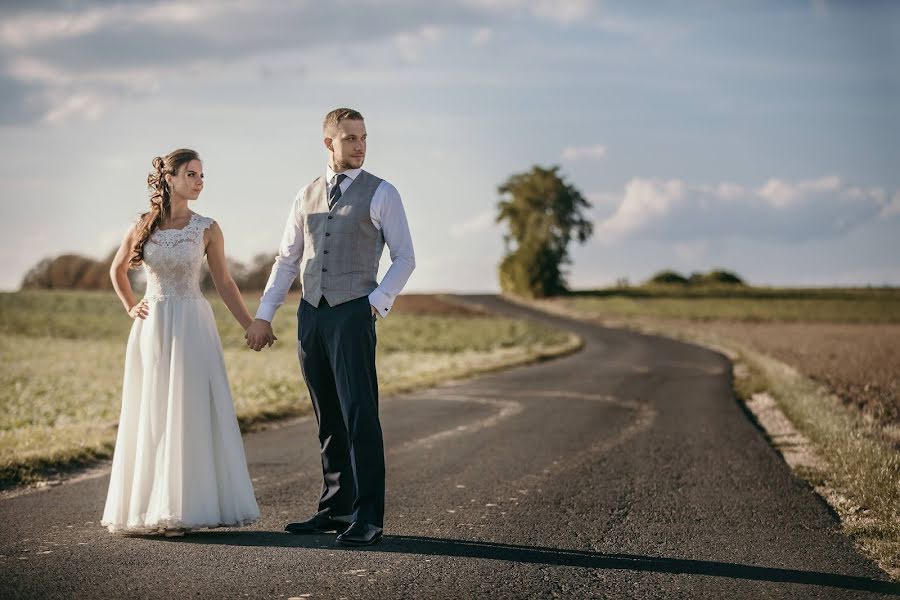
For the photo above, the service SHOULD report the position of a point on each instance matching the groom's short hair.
(334, 118)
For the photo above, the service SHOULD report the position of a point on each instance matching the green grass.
(861, 473)
(63, 358)
(850, 305)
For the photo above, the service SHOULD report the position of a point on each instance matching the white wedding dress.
(179, 459)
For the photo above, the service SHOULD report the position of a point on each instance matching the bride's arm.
(118, 273)
(225, 285)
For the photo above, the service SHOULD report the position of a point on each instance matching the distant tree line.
(714, 277)
(70, 271)
(73, 271)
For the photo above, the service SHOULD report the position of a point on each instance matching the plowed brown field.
(858, 362)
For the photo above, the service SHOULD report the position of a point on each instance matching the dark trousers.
(337, 356)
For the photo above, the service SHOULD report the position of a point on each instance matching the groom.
(334, 237)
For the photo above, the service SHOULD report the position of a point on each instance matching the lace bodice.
(172, 260)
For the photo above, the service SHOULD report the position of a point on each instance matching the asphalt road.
(627, 470)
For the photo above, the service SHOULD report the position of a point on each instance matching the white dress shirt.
(387, 214)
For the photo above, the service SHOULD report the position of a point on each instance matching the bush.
(68, 271)
(74, 272)
(716, 277)
(668, 278)
(532, 272)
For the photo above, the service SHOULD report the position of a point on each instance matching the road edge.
(755, 378)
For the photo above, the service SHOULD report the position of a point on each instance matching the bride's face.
(188, 182)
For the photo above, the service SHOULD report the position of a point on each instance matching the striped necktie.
(335, 194)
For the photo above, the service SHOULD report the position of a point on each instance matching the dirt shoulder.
(826, 395)
(860, 362)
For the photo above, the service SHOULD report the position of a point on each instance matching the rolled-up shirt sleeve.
(389, 216)
(287, 263)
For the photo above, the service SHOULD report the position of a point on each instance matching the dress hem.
(162, 525)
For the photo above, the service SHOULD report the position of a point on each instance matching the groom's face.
(347, 142)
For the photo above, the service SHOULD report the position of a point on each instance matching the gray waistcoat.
(342, 248)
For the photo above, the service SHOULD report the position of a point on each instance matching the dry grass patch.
(62, 359)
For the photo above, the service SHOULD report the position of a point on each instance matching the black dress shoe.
(360, 534)
(320, 522)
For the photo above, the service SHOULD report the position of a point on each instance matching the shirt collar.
(351, 173)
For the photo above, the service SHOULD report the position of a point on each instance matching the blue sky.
(759, 137)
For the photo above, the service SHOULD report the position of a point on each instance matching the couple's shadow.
(409, 544)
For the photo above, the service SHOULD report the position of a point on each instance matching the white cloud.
(38, 28)
(86, 96)
(32, 70)
(411, 44)
(892, 208)
(169, 13)
(84, 106)
(560, 11)
(645, 201)
(782, 194)
(584, 152)
(481, 222)
(112, 50)
(783, 210)
(564, 11)
(482, 36)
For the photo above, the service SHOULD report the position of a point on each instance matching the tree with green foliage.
(543, 214)
(712, 278)
(716, 277)
(668, 277)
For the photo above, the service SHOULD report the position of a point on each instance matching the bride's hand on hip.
(139, 310)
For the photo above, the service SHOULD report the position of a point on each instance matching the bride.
(179, 460)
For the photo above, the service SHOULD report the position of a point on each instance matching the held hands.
(259, 334)
(139, 310)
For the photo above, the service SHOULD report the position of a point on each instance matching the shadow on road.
(547, 556)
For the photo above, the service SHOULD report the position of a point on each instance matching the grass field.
(63, 355)
(828, 357)
(844, 305)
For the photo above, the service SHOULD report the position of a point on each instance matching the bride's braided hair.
(160, 200)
